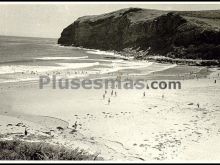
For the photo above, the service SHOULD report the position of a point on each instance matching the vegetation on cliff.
(185, 34)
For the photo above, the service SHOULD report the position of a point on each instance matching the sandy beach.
(132, 127)
(110, 82)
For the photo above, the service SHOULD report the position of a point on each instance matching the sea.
(26, 58)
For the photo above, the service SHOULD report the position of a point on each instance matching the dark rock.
(188, 35)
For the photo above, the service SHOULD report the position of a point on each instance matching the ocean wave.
(106, 53)
(124, 65)
(61, 58)
(10, 69)
(95, 51)
(77, 65)
(18, 80)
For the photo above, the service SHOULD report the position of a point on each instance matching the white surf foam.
(19, 80)
(61, 58)
(13, 69)
(105, 53)
(39, 69)
(124, 65)
(77, 65)
(24, 68)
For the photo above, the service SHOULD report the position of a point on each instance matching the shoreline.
(132, 54)
(114, 55)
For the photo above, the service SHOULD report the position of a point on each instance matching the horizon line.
(3, 35)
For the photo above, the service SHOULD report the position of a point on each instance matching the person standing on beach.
(112, 93)
(103, 96)
(198, 105)
(115, 93)
(215, 81)
(109, 101)
(144, 94)
(25, 132)
(162, 96)
(75, 125)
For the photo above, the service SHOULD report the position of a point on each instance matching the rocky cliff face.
(193, 35)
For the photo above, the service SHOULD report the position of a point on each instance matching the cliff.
(192, 35)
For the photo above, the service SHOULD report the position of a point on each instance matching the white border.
(66, 2)
(98, 162)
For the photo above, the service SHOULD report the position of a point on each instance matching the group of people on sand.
(76, 72)
(113, 93)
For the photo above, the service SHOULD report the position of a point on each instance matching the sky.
(48, 20)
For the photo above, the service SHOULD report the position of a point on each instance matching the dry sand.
(132, 127)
